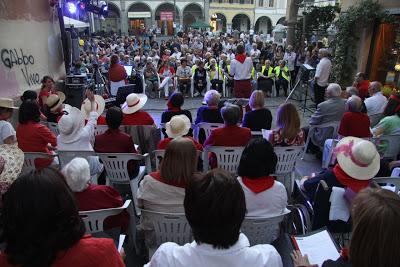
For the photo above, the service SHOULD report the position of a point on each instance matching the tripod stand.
(302, 87)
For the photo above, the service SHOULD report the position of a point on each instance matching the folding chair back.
(94, 219)
(256, 134)
(388, 145)
(228, 158)
(66, 156)
(207, 128)
(389, 181)
(262, 230)
(169, 227)
(287, 157)
(53, 128)
(30, 158)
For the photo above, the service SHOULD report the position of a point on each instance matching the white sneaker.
(196, 94)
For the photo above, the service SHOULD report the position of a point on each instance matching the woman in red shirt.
(46, 90)
(42, 226)
(116, 72)
(33, 136)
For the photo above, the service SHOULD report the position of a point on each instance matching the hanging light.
(71, 7)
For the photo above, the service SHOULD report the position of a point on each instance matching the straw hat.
(178, 126)
(7, 103)
(70, 125)
(133, 103)
(86, 106)
(358, 158)
(11, 161)
(54, 101)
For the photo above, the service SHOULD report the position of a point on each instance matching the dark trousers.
(319, 93)
(265, 85)
(199, 88)
(184, 86)
(281, 82)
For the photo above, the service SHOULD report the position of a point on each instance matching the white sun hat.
(86, 107)
(133, 103)
(358, 158)
(7, 103)
(70, 125)
(178, 126)
(11, 162)
(54, 101)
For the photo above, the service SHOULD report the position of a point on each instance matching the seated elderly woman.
(93, 197)
(354, 123)
(288, 131)
(33, 136)
(210, 112)
(375, 236)
(164, 190)
(178, 126)
(264, 195)
(259, 117)
(75, 135)
(48, 213)
(358, 162)
(390, 124)
(215, 208)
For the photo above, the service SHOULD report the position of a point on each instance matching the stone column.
(291, 18)
(124, 18)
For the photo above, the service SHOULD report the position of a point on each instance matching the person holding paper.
(375, 237)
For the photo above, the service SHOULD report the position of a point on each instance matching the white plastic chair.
(53, 128)
(333, 124)
(392, 147)
(285, 168)
(391, 181)
(116, 166)
(66, 156)
(94, 219)
(256, 134)
(263, 230)
(395, 172)
(207, 127)
(169, 227)
(30, 157)
(266, 134)
(145, 85)
(228, 158)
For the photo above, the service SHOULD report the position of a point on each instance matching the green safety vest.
(285, 73)
(194, 67)
(270, 70)
(252, 73)
(212, 73)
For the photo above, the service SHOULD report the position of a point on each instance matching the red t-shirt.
(355, 124)
(117, 73)
(114, 141)
(164, 143)
(43, 92)
(138, 118)
(34, 137)
(89, 251)
(97, 197)
(363, 89)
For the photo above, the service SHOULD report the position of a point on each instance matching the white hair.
(212, 97)
(334, 89)
(77, 174)
(354, 103)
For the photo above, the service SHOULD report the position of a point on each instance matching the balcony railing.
(244, 2)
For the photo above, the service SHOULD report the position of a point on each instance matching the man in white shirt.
(241, 68)
(321, 76)
(255, 55)
(184, 74)
(290, 58)
(376, 103)
(215, 207)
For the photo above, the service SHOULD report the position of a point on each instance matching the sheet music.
(319, 247)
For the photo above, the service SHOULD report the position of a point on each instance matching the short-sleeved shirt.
(258, 119)
(138, 118)
(389, 125)
(6, 130)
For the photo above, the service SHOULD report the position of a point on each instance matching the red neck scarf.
(240, 57)
(347, 181)
(157, 176)
(172, 108)
(258, 185)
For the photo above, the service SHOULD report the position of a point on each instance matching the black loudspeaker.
(74, 95)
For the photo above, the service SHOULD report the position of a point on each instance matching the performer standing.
(321, 76)
(241, 68)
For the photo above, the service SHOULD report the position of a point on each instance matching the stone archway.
(281, 21)
(192, 13)
(241, 22)
(263, 24)
(219, 22)
(139, 17)
(165, 18)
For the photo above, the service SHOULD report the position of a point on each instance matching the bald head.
(374, 87)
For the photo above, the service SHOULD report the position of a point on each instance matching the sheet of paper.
(319, 247)
(121, 242)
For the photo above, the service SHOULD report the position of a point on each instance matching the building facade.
(245, 15)
(128, 16)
